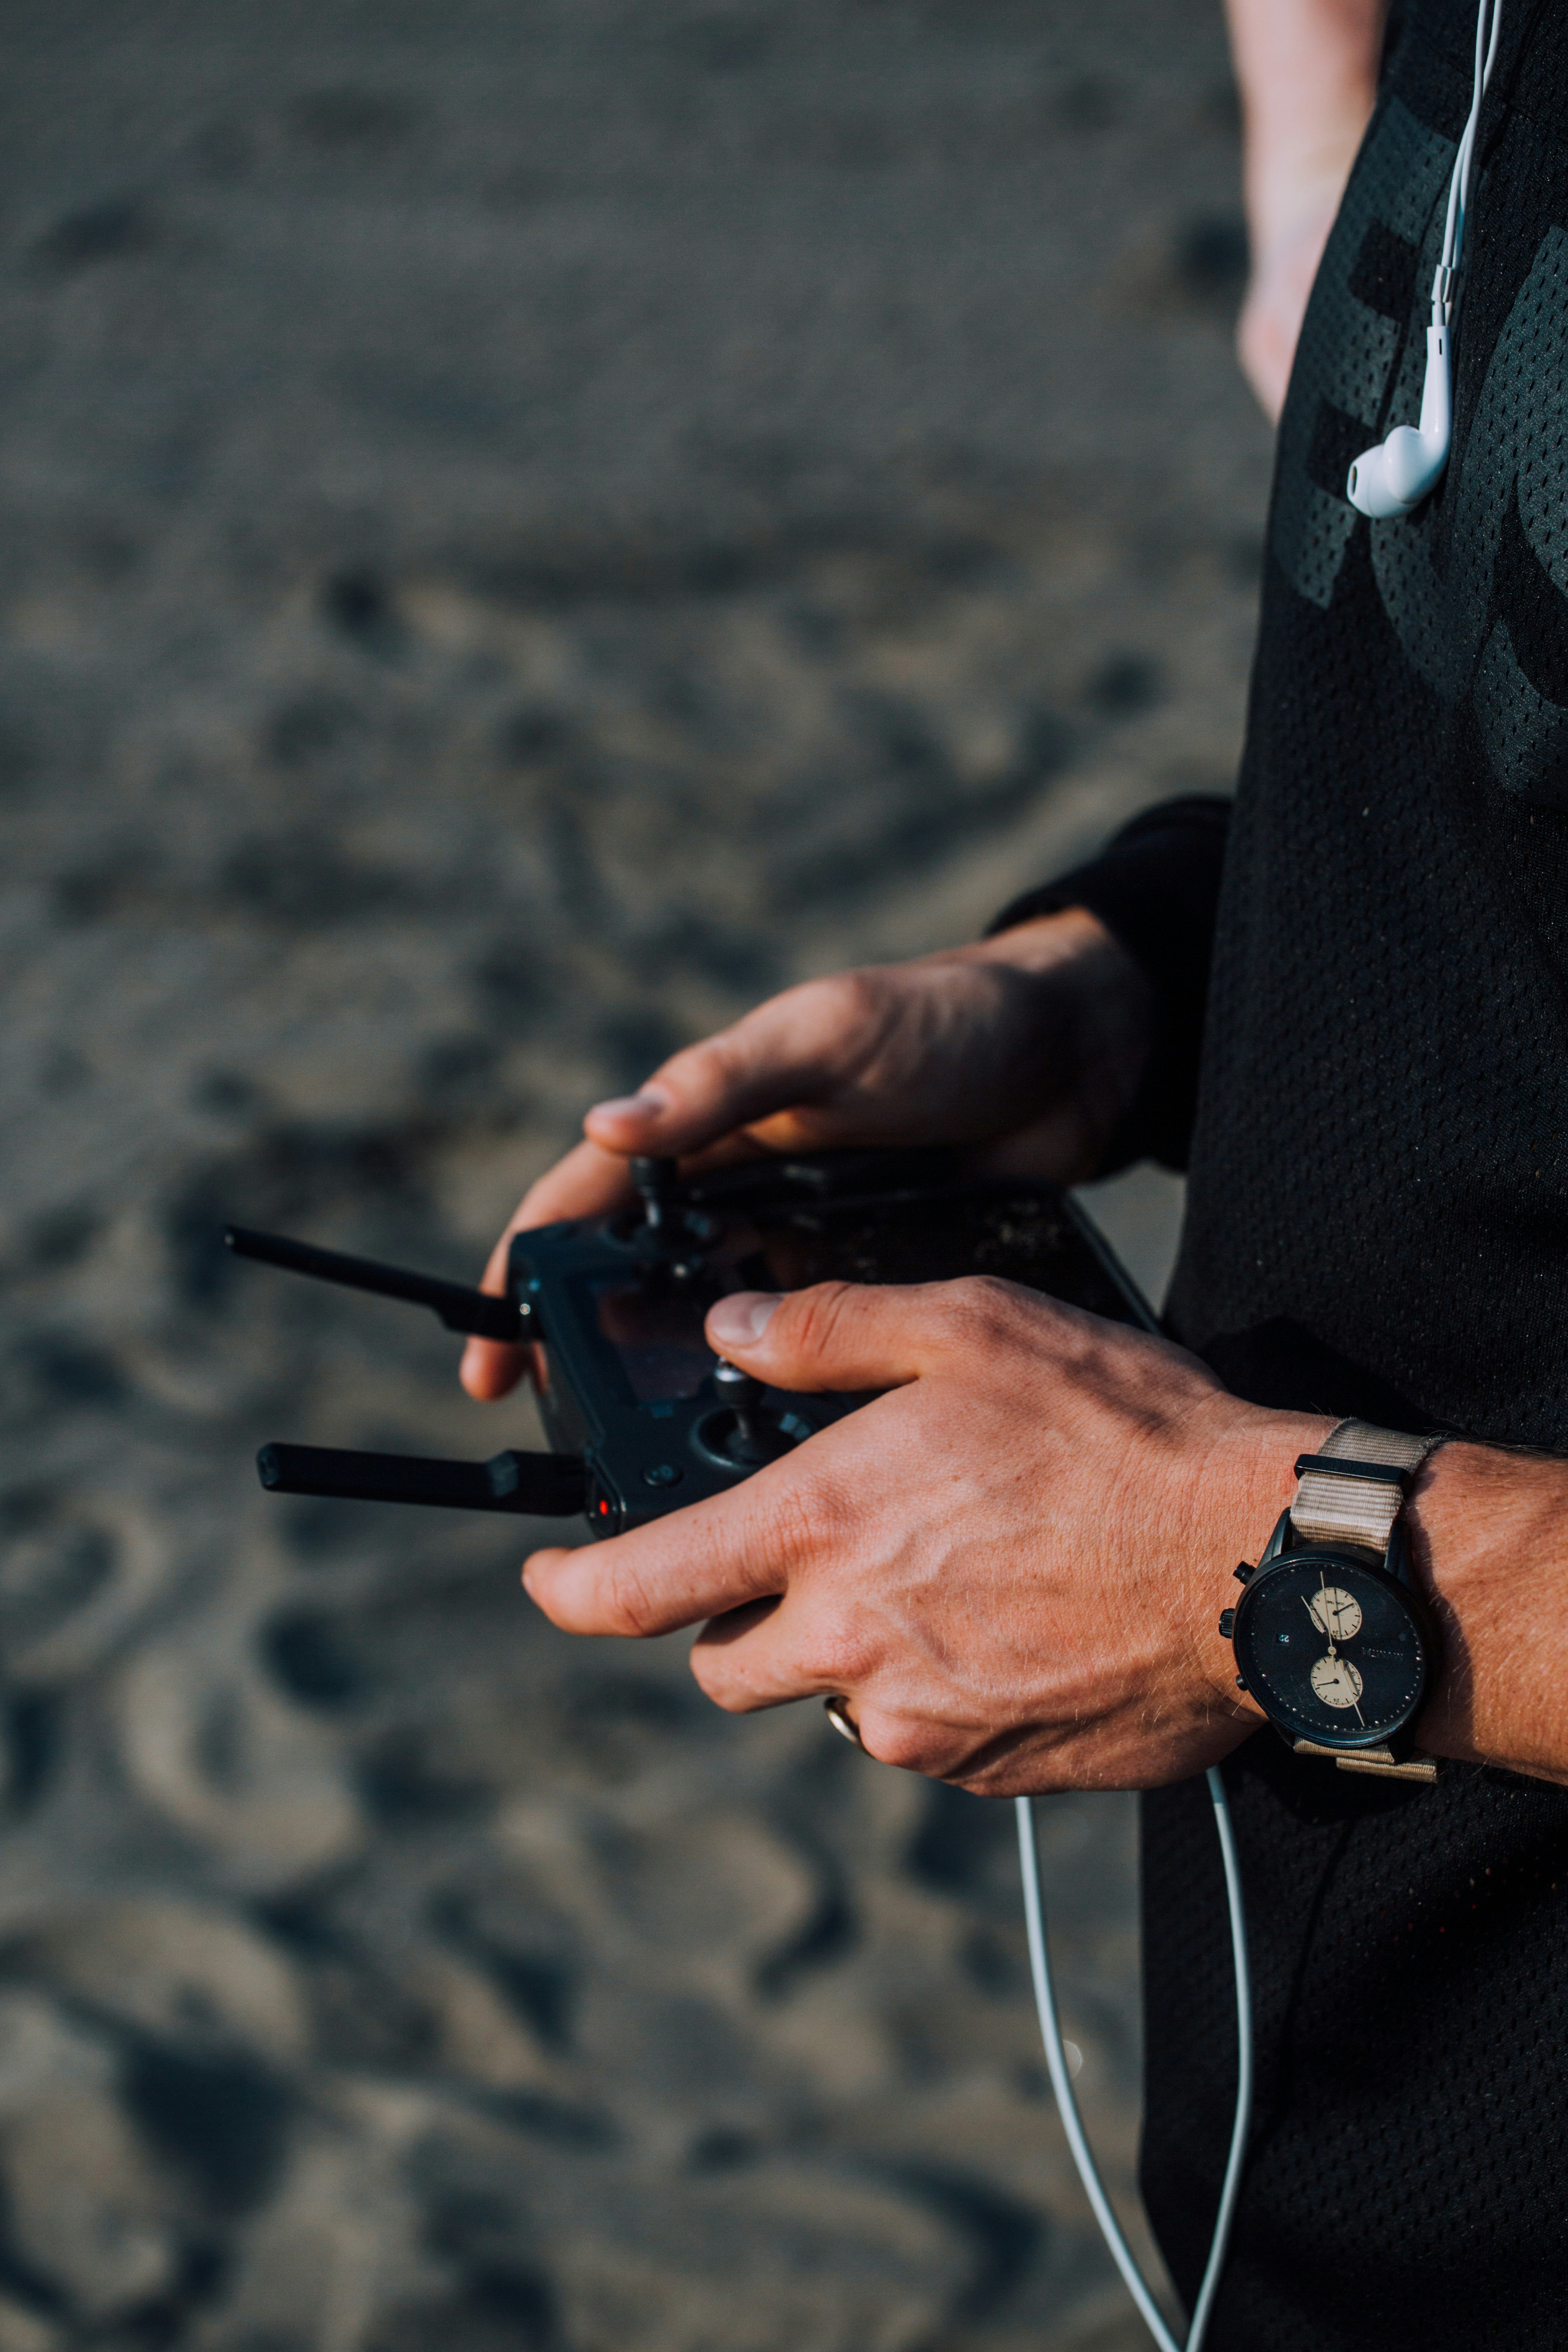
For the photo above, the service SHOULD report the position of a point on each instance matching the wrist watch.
(1331, 1636)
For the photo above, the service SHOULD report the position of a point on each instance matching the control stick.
(745, 1434)
(658, 1182)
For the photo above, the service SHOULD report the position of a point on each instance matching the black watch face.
(1332, 1650)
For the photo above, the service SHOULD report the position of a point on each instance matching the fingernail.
(740, 1321)
(644, 1105)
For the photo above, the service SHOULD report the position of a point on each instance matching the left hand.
(1308, 73)
(1283, 269)
(1010, 1564)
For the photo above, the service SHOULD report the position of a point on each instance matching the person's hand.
(1028, 1047)
(1283, 268)
(1010, 1565)
(1308, 74)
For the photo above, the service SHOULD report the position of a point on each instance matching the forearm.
(1308, 73)
(1488, 1535)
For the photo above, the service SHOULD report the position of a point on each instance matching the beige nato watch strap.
(1333, 1507)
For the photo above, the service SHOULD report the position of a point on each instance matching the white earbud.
(1394, 477)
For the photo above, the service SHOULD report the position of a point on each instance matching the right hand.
(1026, 1048)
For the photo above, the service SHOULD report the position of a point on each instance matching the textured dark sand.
(526, 527)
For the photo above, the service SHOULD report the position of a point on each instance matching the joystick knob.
(656, 1182)
(745, 1434)
(739, 1389)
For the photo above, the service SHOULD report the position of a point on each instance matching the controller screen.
(654, 1320)
(1025, 1238)
(656, 1330)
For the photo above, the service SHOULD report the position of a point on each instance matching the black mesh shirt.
(1378, 1223)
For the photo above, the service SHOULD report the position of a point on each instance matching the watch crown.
(1244, 1571)
(1227, 1622)
(1239, 1683)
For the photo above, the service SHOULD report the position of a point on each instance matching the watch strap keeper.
(1333, 1505)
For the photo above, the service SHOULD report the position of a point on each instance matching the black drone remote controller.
(642, 1415)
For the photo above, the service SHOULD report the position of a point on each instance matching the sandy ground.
(527, 527)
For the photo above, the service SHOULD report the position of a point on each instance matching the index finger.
(588, 1183)
(766, 1071)
(694, 1564)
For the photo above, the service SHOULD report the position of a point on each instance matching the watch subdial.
(1336, 1612)
(1335, 1681)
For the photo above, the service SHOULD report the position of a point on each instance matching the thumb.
(785, 1054)
(837, 1335)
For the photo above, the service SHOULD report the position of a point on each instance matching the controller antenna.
(533, 1486)
(459, 1309)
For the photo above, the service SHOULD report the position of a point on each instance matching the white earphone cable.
(1066, 2103)
(1488, 23)
(1392, 478)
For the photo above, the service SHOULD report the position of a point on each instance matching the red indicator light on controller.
(604, 1510)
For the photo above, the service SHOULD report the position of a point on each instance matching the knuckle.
(805, 1521)
(835, 1653)
(728, 1075)
(715, 1678)
(978, 1306)
(818, 1316)
(854, 1000)
(627, 1603)
(775, 1033)
(894, 1739)
(708, 1068)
